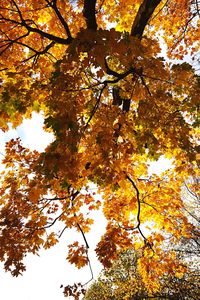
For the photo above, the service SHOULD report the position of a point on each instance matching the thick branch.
(26, 24)
(89, 14)
(120, 76)
(47, 35)
(143, 15)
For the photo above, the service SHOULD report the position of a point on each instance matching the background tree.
(77, 63)
(123, 281)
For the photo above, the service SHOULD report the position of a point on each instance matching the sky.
(47, 272)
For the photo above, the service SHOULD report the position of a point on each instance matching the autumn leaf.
(95, 71)
(77, 255)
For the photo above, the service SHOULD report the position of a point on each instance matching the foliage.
(123, 281)
(96, 72)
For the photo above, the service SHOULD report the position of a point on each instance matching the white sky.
(46, 273)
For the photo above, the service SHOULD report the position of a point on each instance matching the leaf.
(77, 255)
(94, 70)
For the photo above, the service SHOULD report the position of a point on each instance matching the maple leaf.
(124, 281)
(77, 255)
(94, 69)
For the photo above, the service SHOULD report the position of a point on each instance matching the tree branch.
(139, 210)
(83, 235)
(143, 15)
(145, 85)
(24, 23)
(120, 76)
(96, 105)
(60, 17)
(89, 14)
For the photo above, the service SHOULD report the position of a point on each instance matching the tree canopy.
(123, 281)
(117, 82)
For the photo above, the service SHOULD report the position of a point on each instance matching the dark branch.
(9, 42)
(145, 85)
(143, 15)
(96, 105)
(47, 35)
(138, 198)
(91, 271)
(60, 17)
(89, 14)
(63, 230)
(120, 76)
(26, 24)
(139, 211)
(110, 71)
(83, 235)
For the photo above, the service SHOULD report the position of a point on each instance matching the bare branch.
(83, 235)
(194, 195)
(63, 230)
(91, 271)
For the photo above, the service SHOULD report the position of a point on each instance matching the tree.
(123, 281)
(96, 72)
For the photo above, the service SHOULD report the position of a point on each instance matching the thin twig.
(96, 106)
